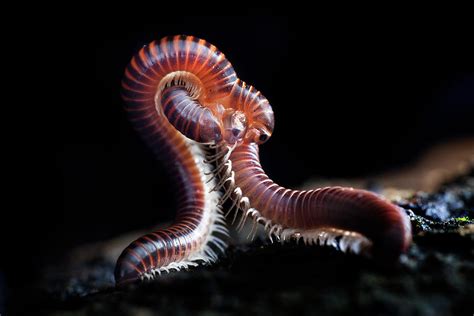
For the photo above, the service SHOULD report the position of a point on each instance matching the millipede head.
(234, 125)
(258, 135)
(261, 121)
(242, 127)
(125, 271)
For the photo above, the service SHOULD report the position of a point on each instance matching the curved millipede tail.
(349, 219)
(197, 235)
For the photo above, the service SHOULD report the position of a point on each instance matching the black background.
(351, 98)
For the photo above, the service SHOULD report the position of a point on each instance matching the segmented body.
(349, 219)
(187, 115)
(354, 220)
(192, 237)
(185, 86)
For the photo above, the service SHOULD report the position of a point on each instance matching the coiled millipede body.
(184, 86)
(196, 234)
(349, 219)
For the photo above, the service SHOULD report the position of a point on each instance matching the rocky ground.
(436, 277)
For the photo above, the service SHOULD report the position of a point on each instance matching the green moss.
(464, 219)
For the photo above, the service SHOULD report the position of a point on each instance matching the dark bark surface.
(436, 277)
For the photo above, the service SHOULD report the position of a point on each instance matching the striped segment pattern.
(189, 117)
(342, 209)
(199, 73)
(193, 236)
(246, 99)
(196, 86)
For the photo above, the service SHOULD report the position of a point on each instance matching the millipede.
(199, 228)
(349, 219)
(185, 99)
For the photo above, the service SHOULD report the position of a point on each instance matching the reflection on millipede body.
(184, 86)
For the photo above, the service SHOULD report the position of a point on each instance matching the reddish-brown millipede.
(186, 83)
(354, 220)
(157, 67)
(349, 219)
